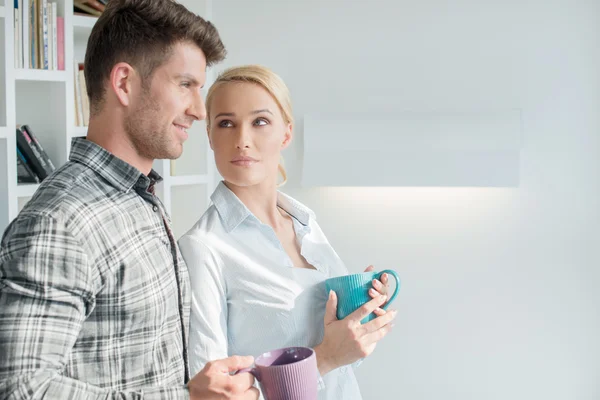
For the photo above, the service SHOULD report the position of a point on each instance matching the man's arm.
(47, 290)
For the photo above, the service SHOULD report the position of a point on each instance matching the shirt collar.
(233, 212)
(117, 172)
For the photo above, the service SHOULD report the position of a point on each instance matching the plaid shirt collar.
(117, 172)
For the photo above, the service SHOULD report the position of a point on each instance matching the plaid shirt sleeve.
(47, 289)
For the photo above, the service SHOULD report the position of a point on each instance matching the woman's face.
(247, 133)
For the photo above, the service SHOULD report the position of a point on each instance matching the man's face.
(168, 104)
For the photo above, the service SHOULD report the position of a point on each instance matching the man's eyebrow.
(188, 77)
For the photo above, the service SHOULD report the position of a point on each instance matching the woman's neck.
(261, 200)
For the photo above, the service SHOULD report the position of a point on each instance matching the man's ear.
(287, 137)
(123, 79)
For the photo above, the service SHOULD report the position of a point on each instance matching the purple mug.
(286, 374)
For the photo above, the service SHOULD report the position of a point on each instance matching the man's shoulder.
(67, 194)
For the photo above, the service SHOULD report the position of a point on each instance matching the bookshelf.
(45, 100)
(40, 75)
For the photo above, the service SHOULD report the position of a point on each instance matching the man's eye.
(185, 84)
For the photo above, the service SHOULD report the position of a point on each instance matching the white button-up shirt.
(247, 297)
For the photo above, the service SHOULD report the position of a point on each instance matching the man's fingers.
(370, 268)
(367, 308)
(234, 363)
(240, 383)
(251, 394)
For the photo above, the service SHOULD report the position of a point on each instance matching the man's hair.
(142, 33)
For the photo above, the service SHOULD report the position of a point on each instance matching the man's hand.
(215, 381)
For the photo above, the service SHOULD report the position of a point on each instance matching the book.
(17, 27)
(25, 146)
(25, 22)
(84, 97)
(44, 34)
(54, 36)
(60, 42)
(24, 172)
(36, 142)
(50, 37)
(38, 160)
(33, 41)
(78, 100)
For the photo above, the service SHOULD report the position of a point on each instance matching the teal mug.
(353, 291)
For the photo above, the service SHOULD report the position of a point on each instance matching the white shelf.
(83, 24)
(1, 11)
(183, 180)
(26, 189)
(40, 75)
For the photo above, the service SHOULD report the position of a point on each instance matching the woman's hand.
(347, 340)
(379, 288)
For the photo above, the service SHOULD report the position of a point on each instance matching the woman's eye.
(225, 123)
(261, 122)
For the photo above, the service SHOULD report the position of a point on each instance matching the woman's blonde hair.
(266, 79)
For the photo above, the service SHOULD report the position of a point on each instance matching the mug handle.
(253, 371)
(395, 275)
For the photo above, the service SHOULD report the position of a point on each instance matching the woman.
(257, 258)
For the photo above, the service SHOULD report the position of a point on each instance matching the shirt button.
(154, 208)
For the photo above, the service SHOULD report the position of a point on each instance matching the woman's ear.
(287, 137)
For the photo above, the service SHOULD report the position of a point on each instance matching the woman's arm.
(208, 314)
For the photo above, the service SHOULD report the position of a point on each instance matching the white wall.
(499, 297)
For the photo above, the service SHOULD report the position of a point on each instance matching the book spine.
(17, 28)
(33, 62)
(54, 36)
(44, 43)
(50, 39)
(30, 151)
(26, 175)
(78, 101)
(25, 21)
(60, 42)
(40, 149)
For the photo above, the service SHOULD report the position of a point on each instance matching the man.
(94, 294)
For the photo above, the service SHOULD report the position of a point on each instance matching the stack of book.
(82, 104)
(89, 7)
(33, 164)
(39, 35)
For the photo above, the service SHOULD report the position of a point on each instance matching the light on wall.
(413, 149)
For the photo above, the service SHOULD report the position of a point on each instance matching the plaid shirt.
(94, 294)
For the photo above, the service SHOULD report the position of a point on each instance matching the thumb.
(235, 363)
(331, 308)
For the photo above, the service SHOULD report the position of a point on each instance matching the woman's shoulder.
(208, 228)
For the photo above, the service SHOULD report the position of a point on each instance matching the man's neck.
(112, 137)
